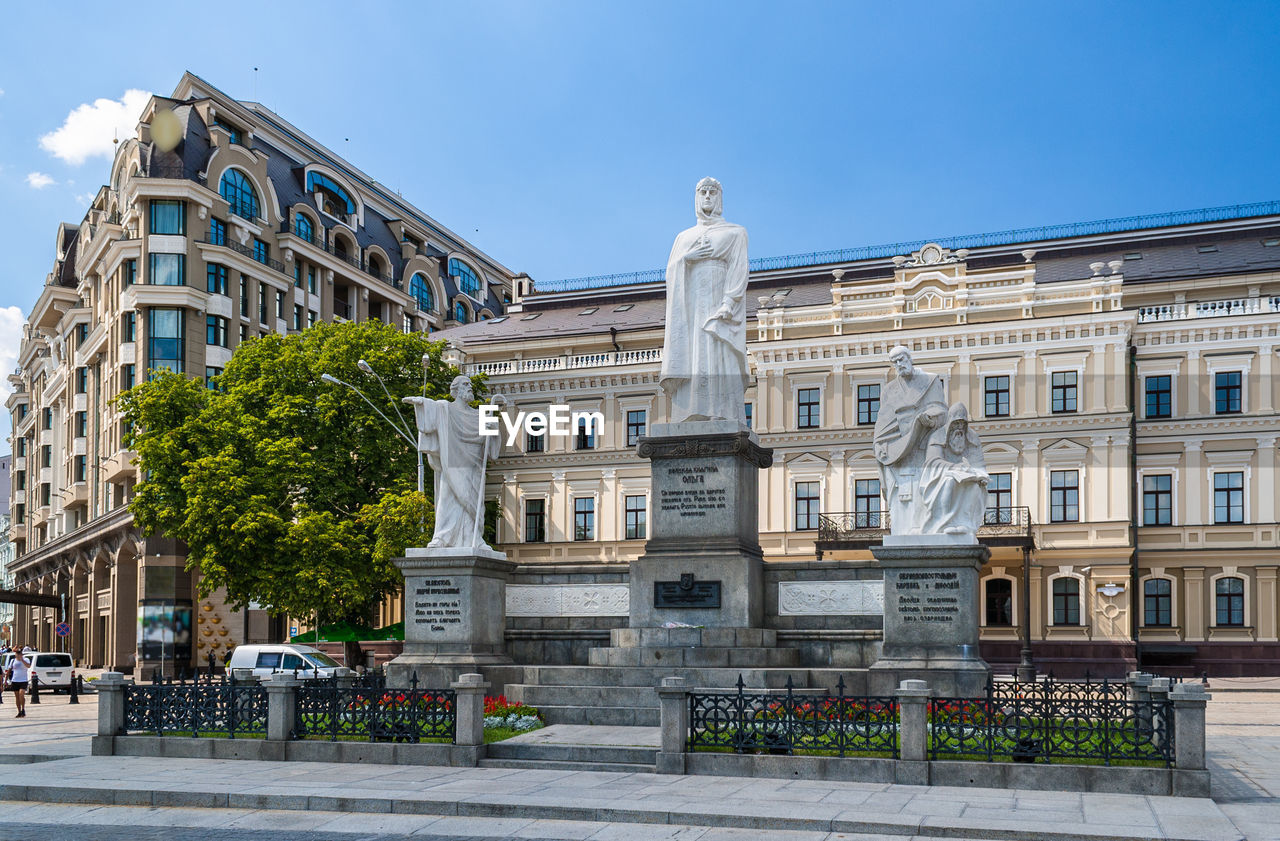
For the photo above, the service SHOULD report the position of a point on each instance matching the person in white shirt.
(18, 675)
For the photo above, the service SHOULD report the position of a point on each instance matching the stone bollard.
(282, 706)
(1140, 697)
(111, 704)
(1161, 723)
(913, 726)
(469, 692)
(33, 690)
(1189, 701)
(673, 701)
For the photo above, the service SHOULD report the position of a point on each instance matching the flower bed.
(504, 719)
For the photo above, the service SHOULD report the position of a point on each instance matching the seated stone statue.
(953, 481)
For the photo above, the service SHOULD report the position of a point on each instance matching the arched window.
(239, 193)
(333, 199)
(460, 312)
(1066, 601)
(468, 281)
(1157, 602)
(303, 228)
(999, 602)
(1229, 595)
(420, 289)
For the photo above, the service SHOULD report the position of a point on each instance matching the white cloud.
(38, 180)
(89, 128)
(84, 198)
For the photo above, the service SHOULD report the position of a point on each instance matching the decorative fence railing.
(1052, 720)
(787, 721)
(328, 710)
(199, 708)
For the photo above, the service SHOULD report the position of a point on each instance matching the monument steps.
(617, 754)
(600, 716)
(561, 765)
(626, 676)
(695, 657)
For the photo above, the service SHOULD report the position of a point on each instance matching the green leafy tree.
(290, 491)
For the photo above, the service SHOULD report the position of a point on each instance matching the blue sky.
(565, 138)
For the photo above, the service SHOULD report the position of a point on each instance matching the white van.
(273, 659)
(53, 669)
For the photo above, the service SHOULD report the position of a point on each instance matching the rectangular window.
(209, 374)
(22, 411)
(636, 517)
(79, 467)
(636, 420)
(82, 424)
(1227, 392)
(868, 403)
(21, 479)
(746, 411)
(311, 279)
(48, 418)
(82, 380)
(999, 499)
(217, 232)
(46, 494)
(279, 305)
(244, 333)
(586, 437)
(297, 316)
(999, 602)
(168, 269)
(216, 330)
(996, 394)
(808, 408)
(217, 279)
(535, 443)
(168, 217)
(1066, 601)
(261, 251)
(1157, 603)
(46, 455)
(130, 326)
(1159, 391)
(1228, 497)
(127, 376)
(808, 506)
(20, 514)
(1064, 392)
(82, 334)
(1229, 601)
(1157, 500)
(866, 503)
(1064, 496)
(406, 323)
(584, 518)
(311, 319)
(297, 274)
(22, 448)
(130, 272)
(244, 297)
(535, 521)
(164, 339)
(263, 292)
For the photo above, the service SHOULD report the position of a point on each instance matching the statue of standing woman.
(704, 363)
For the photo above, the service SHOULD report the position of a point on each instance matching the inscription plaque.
(693, 491)
(686, 593)
(436, 605)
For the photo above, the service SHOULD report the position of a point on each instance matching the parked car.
(271, 659)
(53, 669)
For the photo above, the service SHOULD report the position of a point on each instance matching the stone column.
(282, 706)
(913, 727)
(469, 690)
(1159, 692)
(110, 688)
(673, 701)
(1189, 701)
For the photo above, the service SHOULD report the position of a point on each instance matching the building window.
(217, 279)
(1064, 391)
(1159, 396)
(82, 424)
(746, 412)
(130, 272)
(48, 419)
(586, 437)
(82, 380)
(1228, 497)
(584, 518)
(22, 446)
(46, 494)
(1226, 392)
(22, 411)
(634, 508)
(168, 217)
(127, 376)
(263, 292)
(1157, 603)
(82, 334)
(406, 322)
(808, 506)
(311, 279)
(999, 602)
(217, 232)
(297, 317)
(635, 426)
(209, 375)
(311, 318)
(468, 281)
(164, 340)
(302, 227)
(244, 297)
(535, 521)
(46, 455)
(261, 251)
(1157, 500)
(168, 269)
(20, 477)
(868, 403)
(279, 305)
(20, 514)
(866, 503)
(808, 408)
(297, 274)
(1066, 601)
(130, 326)
(233, 134)
(535, 443)
(1229, 597)
(239, 193)
(79, 467)
(216, 330)
(996, 394)
(420, 291)
(1064, 496)
(999, 499)
(460, 312)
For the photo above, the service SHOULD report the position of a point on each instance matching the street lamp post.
(402, 431)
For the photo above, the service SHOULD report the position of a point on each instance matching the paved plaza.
(51, 788)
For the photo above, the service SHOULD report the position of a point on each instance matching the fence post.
(469, 692)
(1160, 723)
(110, 703)
(1189, 701)
(913, 726)
(282, 705)
(673, 702)
(1140, 697)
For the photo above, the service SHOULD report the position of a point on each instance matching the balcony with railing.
(318, 239)
(860, 530)
(1209, 309)
(218, 237)
(565, 363)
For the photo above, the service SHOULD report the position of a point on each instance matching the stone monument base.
(455, 614)
(930, 617)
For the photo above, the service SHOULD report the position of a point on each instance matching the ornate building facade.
(237, 225)
(1120, 374)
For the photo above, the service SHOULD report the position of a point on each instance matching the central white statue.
(704, 362)
(449, 436)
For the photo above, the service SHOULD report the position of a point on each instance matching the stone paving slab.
(513, 799)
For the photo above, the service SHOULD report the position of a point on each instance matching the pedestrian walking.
(17, 676)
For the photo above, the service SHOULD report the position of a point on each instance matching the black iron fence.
(787, 721)
(328, 709)
(1054, 720)
(199, 708)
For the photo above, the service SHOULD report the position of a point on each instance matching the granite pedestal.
(930, 616)
(455, 614)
